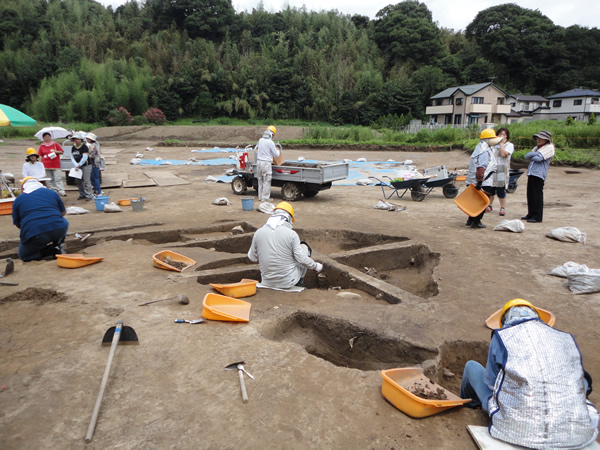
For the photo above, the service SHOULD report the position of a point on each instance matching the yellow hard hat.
(487, 134)
(272, 128)
(31, 151)
(286, 207)
(27, 179)
(517, 302)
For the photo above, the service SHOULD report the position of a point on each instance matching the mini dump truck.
(295, 178)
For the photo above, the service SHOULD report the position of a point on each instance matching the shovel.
(239, 366)
(113, 335)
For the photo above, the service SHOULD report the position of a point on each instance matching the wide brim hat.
(78, 135)
(92, 137)
(544, 134)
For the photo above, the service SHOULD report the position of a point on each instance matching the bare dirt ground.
(316, 357)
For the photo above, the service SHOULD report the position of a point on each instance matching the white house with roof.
(466, 105)
(576, 103)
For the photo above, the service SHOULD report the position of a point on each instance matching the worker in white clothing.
(265, 152)
(282, 258)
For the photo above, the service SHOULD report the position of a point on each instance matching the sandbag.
(516, 226)
(112, 207)
(567, 268)
(221, 201)
(567, 234)
(586, 282)
(266, 208)
(76, 210)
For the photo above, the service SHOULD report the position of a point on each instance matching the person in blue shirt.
(38, 212)
(533, 386)
(537, 171)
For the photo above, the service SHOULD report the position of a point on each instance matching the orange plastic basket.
(160, 260)
(395, 390)
(493, 322)
(6, 205)
(471, 201)
(75, 260)
(244, 288)
(221, 307)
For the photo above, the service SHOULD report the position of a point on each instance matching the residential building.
(466, 105)
(575, 103)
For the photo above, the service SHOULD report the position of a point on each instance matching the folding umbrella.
(55, 132)
(11, 117)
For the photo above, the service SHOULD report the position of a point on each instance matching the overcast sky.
(455, 14)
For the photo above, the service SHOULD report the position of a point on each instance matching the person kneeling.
(38, 212)
(282, 258)
(533, 387)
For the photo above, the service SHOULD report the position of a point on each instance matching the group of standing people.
(86, 156)
(489, 170)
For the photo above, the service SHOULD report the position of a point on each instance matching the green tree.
(406, 32)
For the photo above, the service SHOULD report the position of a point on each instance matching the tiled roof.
(468, 90)
(576, 93)
(529, 98)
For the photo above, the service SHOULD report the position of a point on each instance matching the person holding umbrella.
(50, 153)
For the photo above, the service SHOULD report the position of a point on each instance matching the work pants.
(56, 181)
(42, 245)
(535, 198)
(95, 180)
(84, 184)
(472, 386)
(264, 174)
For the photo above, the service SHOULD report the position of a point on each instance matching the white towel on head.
(31, 185)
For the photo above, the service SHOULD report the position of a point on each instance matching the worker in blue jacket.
(38, 212)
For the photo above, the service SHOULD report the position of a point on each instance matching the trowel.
(10, 267)
(241, 371)
(189, 321)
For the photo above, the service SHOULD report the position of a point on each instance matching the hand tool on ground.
(189, 321)
(181, 298)
(10, 267)
(114, 335)
(239, 366)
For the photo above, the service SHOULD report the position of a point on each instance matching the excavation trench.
(344, 344)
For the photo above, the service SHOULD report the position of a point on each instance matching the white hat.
(78, 135)
(92, 137)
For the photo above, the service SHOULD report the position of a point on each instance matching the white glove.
(319, 267)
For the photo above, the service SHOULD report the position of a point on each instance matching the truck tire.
(310, 193)
(290, 191)
(239, 185)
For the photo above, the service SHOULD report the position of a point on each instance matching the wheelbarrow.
(449, 189)
(413, 185)
(513, 176)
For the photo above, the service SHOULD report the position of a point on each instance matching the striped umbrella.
(12, 117)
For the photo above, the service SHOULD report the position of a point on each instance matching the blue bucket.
(101, 200)
(248, 204)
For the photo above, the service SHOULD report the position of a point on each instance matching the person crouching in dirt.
(265, 152)
(282, 258)
(38, 212)
(533, 387)
(481, 167)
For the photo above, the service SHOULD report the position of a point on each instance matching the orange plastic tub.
(471, 201)
(75, 260)
(221, 307)
(244, 288)
(160, 260)
(395, 390)
(124, 202)
(6, 205)
(493, 322)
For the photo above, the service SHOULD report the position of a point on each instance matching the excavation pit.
(407, 266)
(344, 344)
